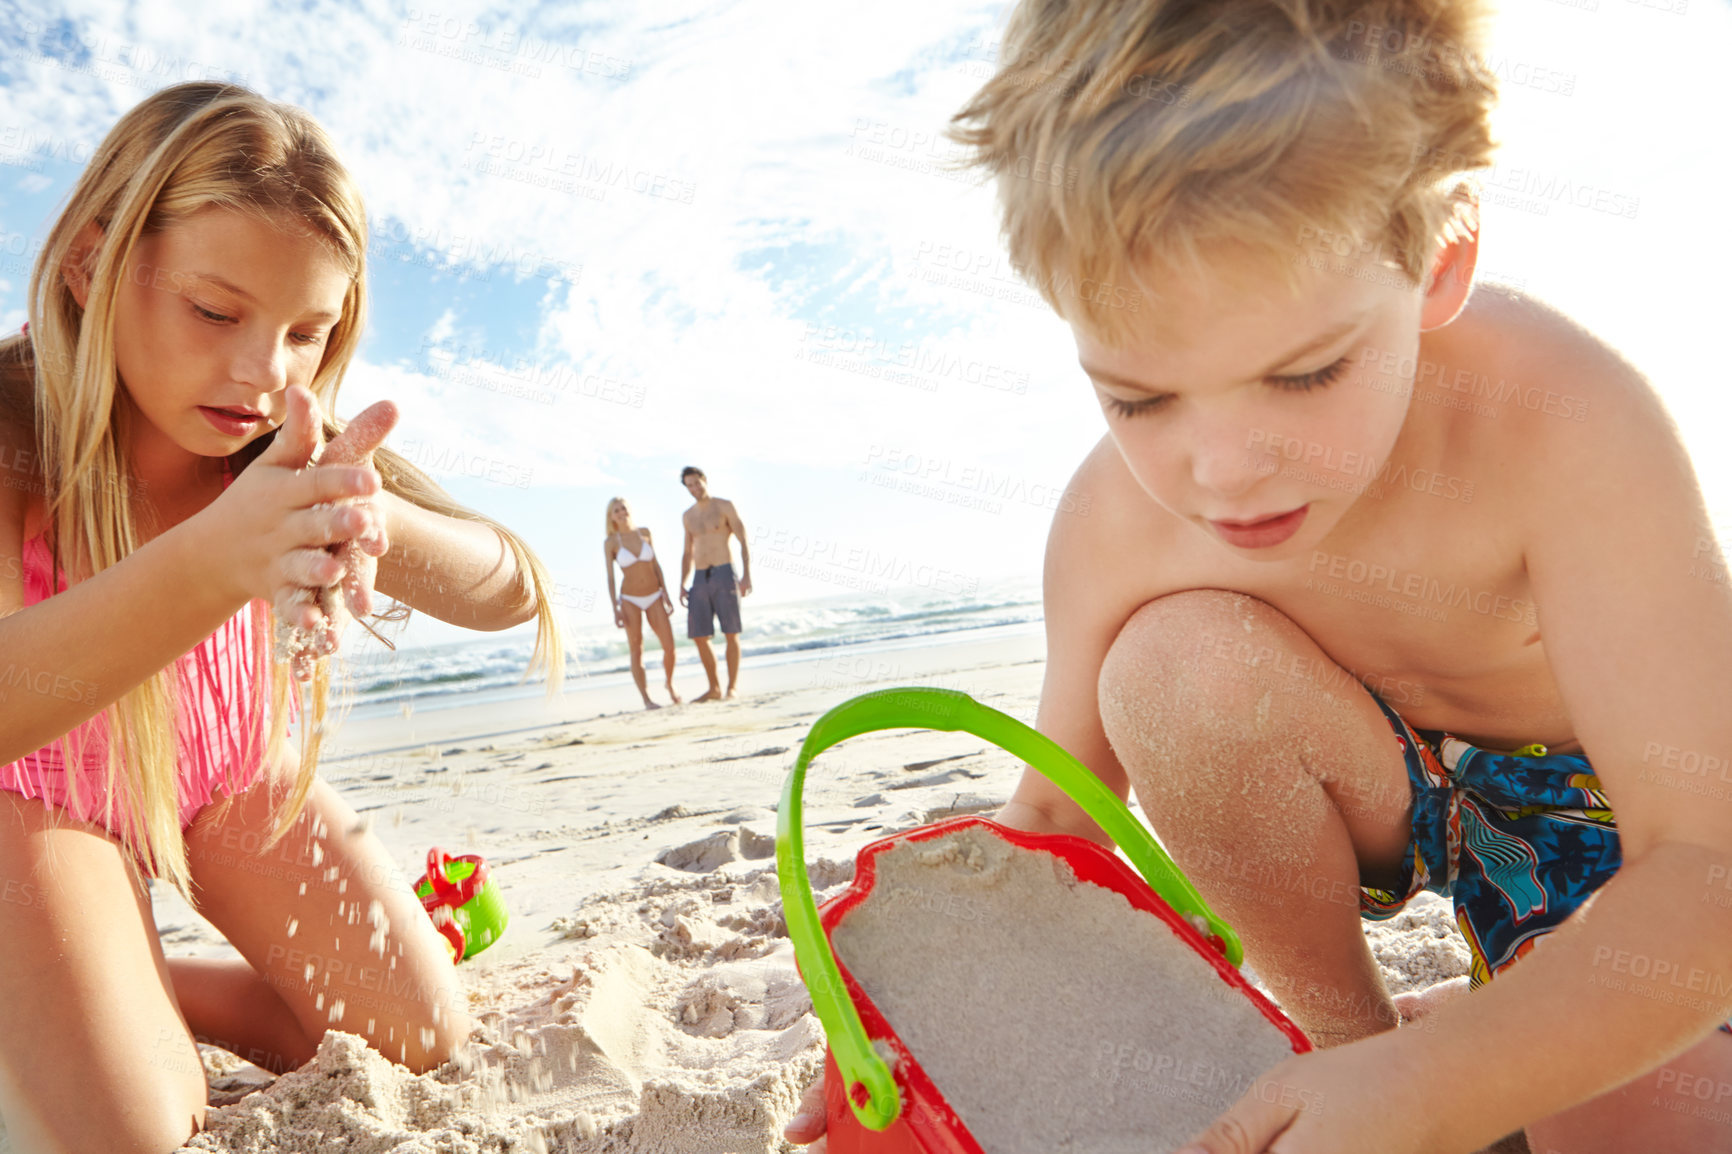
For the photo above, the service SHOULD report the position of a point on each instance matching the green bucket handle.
(871, 1086)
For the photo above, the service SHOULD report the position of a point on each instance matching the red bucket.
(879, 1107)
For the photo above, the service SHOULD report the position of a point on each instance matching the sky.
(611, 240)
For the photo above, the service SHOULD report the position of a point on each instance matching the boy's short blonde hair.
(1130, 139)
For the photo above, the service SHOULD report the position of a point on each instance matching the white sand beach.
(637, 1004)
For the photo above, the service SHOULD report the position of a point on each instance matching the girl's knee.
(444, 1033)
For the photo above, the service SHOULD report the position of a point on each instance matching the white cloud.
(728, 177)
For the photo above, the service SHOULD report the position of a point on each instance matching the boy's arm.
(1083, 618)
(1637, 622)
(685, 561)
(739, 528)
(458, 571)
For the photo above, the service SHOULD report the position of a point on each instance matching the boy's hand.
(1361, 1098)
(1030, 819)
(1349, 1100)
(809, 1120)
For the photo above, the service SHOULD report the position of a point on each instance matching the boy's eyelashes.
(1316, 378)
(217, 318)
(1303, 382)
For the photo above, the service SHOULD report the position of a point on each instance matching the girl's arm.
(608, 550)
(72, 655)
(661, 578)
(458, 571)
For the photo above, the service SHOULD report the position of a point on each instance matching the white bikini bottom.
(642, 601)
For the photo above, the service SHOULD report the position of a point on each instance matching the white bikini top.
(626, 560)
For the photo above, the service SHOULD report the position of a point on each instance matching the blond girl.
(165, 512)
(631, 547)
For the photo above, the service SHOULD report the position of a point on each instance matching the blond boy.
(1359, 541)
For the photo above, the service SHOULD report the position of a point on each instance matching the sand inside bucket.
(1051, 1013)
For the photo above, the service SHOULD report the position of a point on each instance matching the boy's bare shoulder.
(1553, 372)
(1572, 406)
(1111, 547)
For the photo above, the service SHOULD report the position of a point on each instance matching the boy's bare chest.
(1433, 613)
(705, 522)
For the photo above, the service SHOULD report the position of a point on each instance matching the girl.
(192, 314)
(631, 546)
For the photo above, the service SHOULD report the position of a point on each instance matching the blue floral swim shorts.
(1517, 840)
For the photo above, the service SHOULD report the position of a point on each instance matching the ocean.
(491, 667)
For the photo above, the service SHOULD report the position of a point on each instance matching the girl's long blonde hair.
(183, 149)
(611, 502)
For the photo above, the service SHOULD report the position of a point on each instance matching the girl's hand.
(667, 602)
(619, 614)
(353, 598)
(275, 524)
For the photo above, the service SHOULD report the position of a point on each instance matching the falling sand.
(292, 644)
(670, 1020)
(1050, 1013)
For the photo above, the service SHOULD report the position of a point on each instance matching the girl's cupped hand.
(301, 528)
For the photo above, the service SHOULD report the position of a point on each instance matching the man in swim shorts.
(713, 592)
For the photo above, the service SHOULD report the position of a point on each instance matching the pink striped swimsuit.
(220, 726)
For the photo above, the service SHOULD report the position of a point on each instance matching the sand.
(1419, 947)
(1050, 1013)
(653, 1002)
(678, 1025)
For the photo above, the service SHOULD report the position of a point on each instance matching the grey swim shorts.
(713, 595)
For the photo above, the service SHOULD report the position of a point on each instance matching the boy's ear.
(1452, 270)
(79, 257)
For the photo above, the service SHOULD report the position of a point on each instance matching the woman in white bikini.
(633, 549)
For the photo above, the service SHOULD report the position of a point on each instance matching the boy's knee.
(1199, 645)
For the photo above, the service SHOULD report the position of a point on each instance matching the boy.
(1357, 544)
